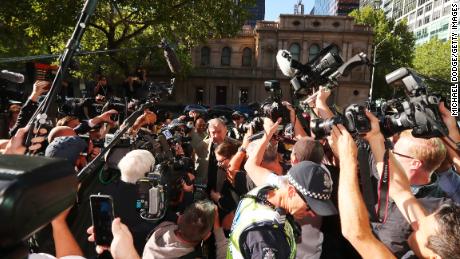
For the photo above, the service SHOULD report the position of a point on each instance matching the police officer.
(262, 227)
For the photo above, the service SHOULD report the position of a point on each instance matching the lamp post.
(374, 65)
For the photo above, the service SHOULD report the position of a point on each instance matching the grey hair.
(270, 154)
(135, 165)
(216, 122)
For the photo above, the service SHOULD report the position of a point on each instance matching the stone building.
(233, 71)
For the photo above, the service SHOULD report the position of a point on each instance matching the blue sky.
(273, 8)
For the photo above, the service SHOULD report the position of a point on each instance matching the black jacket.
(24, 115)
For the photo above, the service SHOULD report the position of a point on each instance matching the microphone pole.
(171, 57)
(98, 160)
(42, 113)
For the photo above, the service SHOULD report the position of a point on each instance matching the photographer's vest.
(251, 214)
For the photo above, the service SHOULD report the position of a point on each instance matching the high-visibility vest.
(251, 214)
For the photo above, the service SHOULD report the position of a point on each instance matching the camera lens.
(322, 128)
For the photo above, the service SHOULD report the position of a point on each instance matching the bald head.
(60, 131)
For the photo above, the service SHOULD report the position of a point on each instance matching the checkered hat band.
(301, 189)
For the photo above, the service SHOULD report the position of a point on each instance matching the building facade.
(233, 71)
(425, 18)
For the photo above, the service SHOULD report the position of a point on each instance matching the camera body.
(256, 124)
(151, 202)
(162, 187)
(317, 73)
(322, 70)
(354, 120)
(273, 107)
(419, 111)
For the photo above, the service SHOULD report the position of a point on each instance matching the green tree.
(433, 59)
(31, 27)
(395, 46)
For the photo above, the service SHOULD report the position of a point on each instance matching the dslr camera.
(419, 111)
(354, 119)
(273, 107)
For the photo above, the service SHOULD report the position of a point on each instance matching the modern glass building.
(426, 18)
(257, 13)
(322, 7)
(335, 7)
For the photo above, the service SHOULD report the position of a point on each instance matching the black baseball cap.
(68, 147)
(314, 184)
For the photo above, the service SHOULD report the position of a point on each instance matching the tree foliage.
(433, 59)
(31, 27)
(395, 45)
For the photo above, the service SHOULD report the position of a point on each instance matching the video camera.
(34, 191)
(319, 71)
(162, 187)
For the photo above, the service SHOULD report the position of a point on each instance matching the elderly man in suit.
(206, 164)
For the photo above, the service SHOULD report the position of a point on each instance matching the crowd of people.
(250, 193)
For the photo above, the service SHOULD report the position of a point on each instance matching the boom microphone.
(12, 76)
(171, 58)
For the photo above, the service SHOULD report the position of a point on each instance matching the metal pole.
(375, 57)
(374, 65)
(373, 72)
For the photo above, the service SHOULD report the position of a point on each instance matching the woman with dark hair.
(230, 158)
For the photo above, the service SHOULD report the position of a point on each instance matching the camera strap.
(366, 176)
(384, 187)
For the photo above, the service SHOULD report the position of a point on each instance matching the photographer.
(135, 83)
(237, 131)
(450, 181)
(100, 88)
(433, 234)
(420, 158)
(198, 133)
(83, 127)
(40, 87)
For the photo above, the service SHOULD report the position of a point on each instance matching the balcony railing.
(266, 25)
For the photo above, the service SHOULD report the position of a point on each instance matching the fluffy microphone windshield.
(284, 63)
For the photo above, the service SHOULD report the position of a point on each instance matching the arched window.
(226, 56)
(295, 51)
(247, 57)
(205, 56)
(313, 52)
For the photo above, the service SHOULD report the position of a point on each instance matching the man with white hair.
(208, 173)
(135, 165)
